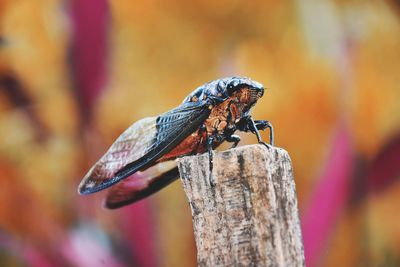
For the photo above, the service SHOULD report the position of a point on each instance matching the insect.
(206, 118)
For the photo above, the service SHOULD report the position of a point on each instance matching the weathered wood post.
(249, 217)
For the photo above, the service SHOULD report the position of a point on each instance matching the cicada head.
(236, 84)
(242, 89)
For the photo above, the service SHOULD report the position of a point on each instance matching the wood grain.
(249, 216)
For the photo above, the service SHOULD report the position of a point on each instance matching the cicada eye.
(230, 88)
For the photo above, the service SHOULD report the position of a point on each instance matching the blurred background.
(74, 74)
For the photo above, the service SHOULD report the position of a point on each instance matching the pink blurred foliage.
(89, 58)
(89, 48)
(329, 197)
(384, 170)
(36, 258)
(137, 224)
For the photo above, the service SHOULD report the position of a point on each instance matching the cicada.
(206, 118)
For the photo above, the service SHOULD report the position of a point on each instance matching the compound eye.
(230, 88)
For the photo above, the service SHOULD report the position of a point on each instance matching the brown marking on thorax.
(222, 116)
(227, 113)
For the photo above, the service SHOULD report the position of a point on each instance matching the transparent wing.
(129, 146)
(143, 144)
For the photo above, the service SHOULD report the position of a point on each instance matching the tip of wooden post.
(272, 152)
(248, 158)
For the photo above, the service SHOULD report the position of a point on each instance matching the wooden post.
(249, 216)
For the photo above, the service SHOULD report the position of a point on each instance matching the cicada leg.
(262, 125)
(235, 139)
(248, 124)
(209, 144)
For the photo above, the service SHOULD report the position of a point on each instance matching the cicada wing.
(131, 145)
(168, 130)
(137, 187)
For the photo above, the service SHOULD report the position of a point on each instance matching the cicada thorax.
(224, 116)
(221, 121)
